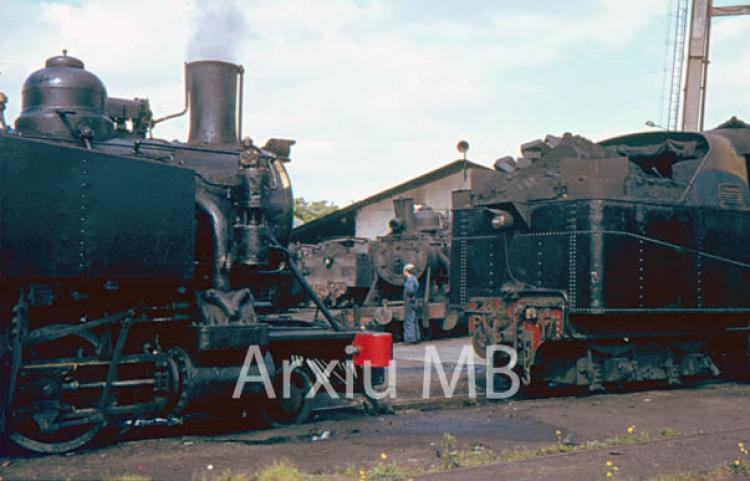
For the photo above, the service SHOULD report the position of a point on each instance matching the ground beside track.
(708, 421)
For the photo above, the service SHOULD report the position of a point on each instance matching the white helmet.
(409, 268)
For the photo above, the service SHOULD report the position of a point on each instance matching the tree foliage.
(308, 211)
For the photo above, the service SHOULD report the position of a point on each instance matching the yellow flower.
(609, 474)
(631, 429)
(383, 456)
(615, 468)
(737, 462)
(609, 463)
(740, 445)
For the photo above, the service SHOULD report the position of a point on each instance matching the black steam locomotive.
(135, 273)
(362, 279)
(611, 263)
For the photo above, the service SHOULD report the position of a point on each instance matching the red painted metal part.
(535, 331)
(375, 347)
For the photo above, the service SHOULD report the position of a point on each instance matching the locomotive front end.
(143, 281)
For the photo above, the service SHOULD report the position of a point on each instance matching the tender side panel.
(610, 256)
(725, 274)
(648, 257)
(665, 257)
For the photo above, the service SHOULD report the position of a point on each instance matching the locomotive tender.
(135, 273)
(611, 263)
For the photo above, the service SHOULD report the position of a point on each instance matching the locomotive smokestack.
(214, 109)
(403, 209)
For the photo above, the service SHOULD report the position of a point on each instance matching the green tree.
(308, 211)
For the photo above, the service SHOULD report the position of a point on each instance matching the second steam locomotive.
(611, 263)
(362, 279)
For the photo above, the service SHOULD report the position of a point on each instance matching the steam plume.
(216, 30)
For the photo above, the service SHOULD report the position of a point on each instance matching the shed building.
(369, 217)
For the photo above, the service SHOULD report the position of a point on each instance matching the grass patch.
(739, 468)
(277, 471)
(631, 436)
(382, 471)
(335, 476)
(669, 433)
(451, 457)
(228, 475)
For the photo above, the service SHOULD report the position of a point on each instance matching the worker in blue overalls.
(411, 286)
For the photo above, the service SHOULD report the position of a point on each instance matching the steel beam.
(697, 66)
(730, 10)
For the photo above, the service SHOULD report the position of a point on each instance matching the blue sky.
(376, 92)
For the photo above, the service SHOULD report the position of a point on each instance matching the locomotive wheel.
(40, 402)
(383, 315)
(292, 410)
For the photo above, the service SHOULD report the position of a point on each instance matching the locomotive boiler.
(363, 279)
(136, 273)
(612, 263)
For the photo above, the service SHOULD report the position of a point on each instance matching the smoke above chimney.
(217, 28)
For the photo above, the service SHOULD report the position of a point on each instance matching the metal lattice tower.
(677, 41)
